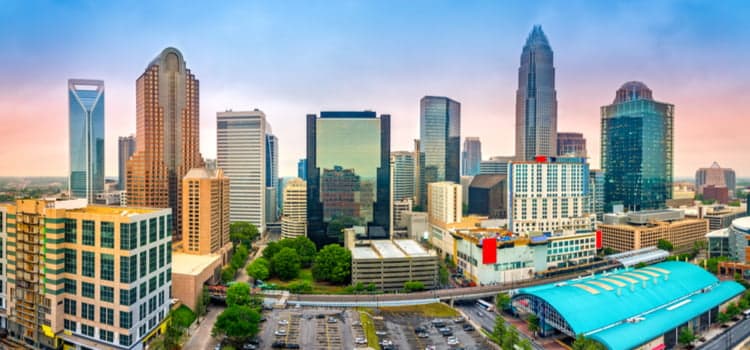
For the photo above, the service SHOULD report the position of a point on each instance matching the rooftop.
(204, 173)
(486, 181)
(742, 223)
(190, 264)
(722, 233)
(390, 249)
(121, 211)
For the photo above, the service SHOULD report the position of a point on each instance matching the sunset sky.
(290, 58)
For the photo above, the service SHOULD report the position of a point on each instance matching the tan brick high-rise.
(205, 202)
(167, 130)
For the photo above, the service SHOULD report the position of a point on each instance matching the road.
(200, 336)
(487, 321)
(731, 337)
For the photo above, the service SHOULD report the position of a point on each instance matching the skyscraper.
(471, 156)
(206, 212)
(536, 99)
(241, 153)
(302, 169)
(402, 164)
(167, 130)
(716, 176)
(571, 144)
(272, 175)
(637, 141)
(440, 142)
(294, 220)
(348, 174)
(86, 138)
(125, 149)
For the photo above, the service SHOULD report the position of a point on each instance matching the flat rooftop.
(721, 233)
(410, 247)
(121, 211)
(190, 264)
(387, 249)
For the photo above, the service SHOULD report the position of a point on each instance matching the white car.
(280, 333)
(453, 341)
(381, 333)
(283, 322)
(360, 340)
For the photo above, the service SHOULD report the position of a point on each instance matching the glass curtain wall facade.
(536, 99)
(348, 172)
(440, 142)
(471, 157)
(86, 137)
(637, 145)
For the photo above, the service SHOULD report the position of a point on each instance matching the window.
(88, 264)
(87, 330)
(142, 290)
(70, 325)
(106, 336)
(125, 340)
(71, 230)
(107, 231)
(106, 316)
(152, 259)
(107, 267)
(88, 232)
(143, 233)
(161, 279)
(142, 311)
(128, 296)
(162, 225)
(128, 236)
(143, 263)
(71, 258)
(87, 290)
(169, 252)
(70, 307)
(70, 286)
(161, 254)
(152, 304)
(128, 269)
(152, 230)
(126, 319)
(152, 284)
(169, 274)
(169, 225)
(87, 311)
(107, 294)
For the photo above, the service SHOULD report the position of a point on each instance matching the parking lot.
(306, 328)
(409, 331)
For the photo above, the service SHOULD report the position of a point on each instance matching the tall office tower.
(294, 220)
(87, 277)
(402, 177)
(440, 141)
(272, 175)
(125, 149)
(444, 202)
(205, 215)
(241, 153)
(637, 140)
(495, 166)
(302, 169)
(596, 194)
(418, 161)
(4, 262)
(471, 156)
(86, 138)
(571, 144)
(716, 176)
(549, 194)
(348, 174)
(167, 130)
(536, 99)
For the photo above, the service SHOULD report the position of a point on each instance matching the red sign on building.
(598, 239)
(489, 250)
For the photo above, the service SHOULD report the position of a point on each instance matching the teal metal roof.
(599, 306)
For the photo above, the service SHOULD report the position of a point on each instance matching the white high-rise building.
(444, 202)
(549, 194)
(241, 153)
(294, 220)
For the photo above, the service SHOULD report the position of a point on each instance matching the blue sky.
(290, 58)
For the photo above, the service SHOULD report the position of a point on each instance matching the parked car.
(360, 340)
(278, 345)
(452, 340)
(283, 322)
(381, 333)
(423, 335)
(459, 320)
(320, 316)
(447, 333)
(331, 320)
(420, 329)
(468, 328)
(280, 332)
(292, 346)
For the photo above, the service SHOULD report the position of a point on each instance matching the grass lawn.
(318, 287)
(426, 310)
(369, 327)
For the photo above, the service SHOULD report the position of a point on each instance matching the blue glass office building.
(440, 142)
(637, 145)
(86, 137)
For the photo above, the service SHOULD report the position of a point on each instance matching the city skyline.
(696, 65)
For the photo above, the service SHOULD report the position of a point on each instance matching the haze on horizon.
(294, 58)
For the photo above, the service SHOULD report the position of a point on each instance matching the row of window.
(150, 260)
(104, 335)
(129, 232)
(127, 296)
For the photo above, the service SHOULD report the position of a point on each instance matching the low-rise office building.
(739, 240)
(636, 230)
(718, 243)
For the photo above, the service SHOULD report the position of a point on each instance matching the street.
(731, 337)
(487, 321)
(200, 336)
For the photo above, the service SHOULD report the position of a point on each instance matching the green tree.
(444, 275)
(227, 274)
(583, 343)
(499, 330)
(238, 294)
(238, 323)
(333, 263)
(608, 251)
(202, 303)
(686, 336)
(171, 338)
(271, 249)
(732, 310)
(300, 287)
(502, 301)
(259, 269)
(413, 286)
(532, 321)
(239, 257)
(734, 203)
(510, 339)
(286, 264)
(304, 247)
(525, 344)
(665, 245)
(723, 317)
(242, 232)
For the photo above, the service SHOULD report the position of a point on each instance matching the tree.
(444, 275)
(238, 323)
(300, 287)
(271, 249)
(732, 310)
(510, 339)
(238, 294)
(499, 330)
(170, 339)
(303, 246)
(202, 303)
(239, 257)
(242, 232)
(665, 245)
(532, 321)
(686, 336)
(333, 263)
(608, 251)
(227, 274)
(260, 269)
(502, 301)
(286, 264)
(525, 344)
(583, 343)
(723, 318)
(413, 286)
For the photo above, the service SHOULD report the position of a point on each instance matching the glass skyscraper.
(440, 142)
(348, 174)
(536, 99)
(637, 140)
(471, 156)
(86, 137)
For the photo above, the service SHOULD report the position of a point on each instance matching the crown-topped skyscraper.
(536, 99)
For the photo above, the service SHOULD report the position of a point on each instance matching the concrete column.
(451, 302)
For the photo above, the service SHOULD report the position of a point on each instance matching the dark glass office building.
(440, 142)
(86, 137)
(637, 146)
(348, 174)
